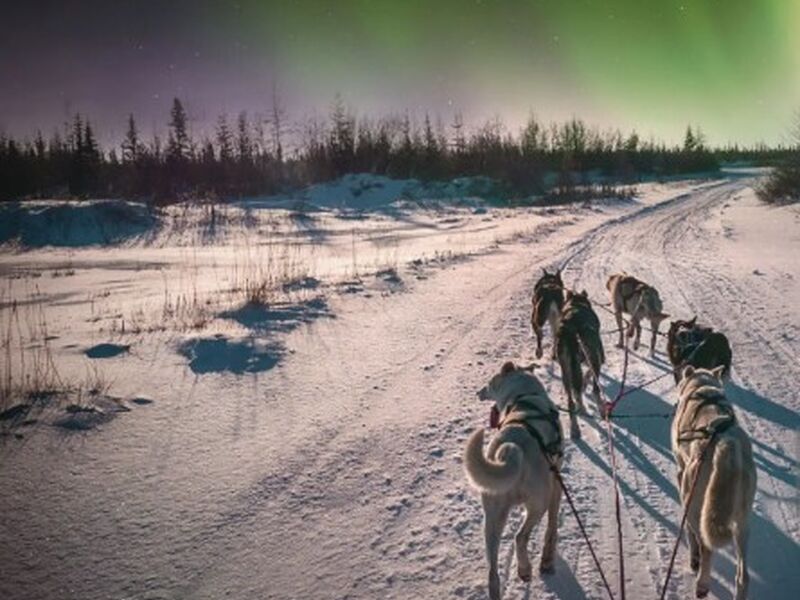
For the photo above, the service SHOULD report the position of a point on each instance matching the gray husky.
(639, 300)
(517, 467)
(548, 298)
(726, 481)
(578, 341)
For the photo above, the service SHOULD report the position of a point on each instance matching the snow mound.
(367, 192)
(73, 223)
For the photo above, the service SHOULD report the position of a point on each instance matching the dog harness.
(638, 286)
(532, 412)
(719, 425)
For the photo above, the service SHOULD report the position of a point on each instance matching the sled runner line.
(608, 409)
(567, 495)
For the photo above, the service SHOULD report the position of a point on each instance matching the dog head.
(578, 298)
(694, 378)
(509, 384)
(682, 332)
(551, 279)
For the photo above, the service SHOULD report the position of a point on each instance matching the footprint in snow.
(107, 350)
(141, 401)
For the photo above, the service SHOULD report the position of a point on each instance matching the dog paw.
(539, 353)
(620, 345)
(524, 573)
(701, 591)
(575, 433)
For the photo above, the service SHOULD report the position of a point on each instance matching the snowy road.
(339, 476)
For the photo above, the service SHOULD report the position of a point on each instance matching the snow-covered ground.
(311, 447)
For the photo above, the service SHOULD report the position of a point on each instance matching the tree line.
(248, 156)
(782, 186)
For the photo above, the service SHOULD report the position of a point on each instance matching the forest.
(249, 156)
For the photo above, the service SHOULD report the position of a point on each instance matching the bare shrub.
(28, 373)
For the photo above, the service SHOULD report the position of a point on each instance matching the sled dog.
(726, 483)
(548, 298)
(578, 341)
(517, 467)
(691, 344)
(640, 301)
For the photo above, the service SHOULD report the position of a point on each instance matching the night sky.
(731, 66)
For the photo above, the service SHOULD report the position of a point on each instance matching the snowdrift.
(365, 192)
(36, 224)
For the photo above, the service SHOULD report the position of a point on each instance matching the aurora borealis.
(730, 66)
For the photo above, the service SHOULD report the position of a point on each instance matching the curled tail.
(492, 476)
(716, 514)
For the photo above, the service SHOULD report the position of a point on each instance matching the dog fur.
(548, 299)
(639, 300)
(578, 341)
(691, 344)
(726, 484)
(516, 470)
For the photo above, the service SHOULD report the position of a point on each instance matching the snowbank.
(366, 192)
(73, 223)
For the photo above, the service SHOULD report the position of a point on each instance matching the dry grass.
(28, 373)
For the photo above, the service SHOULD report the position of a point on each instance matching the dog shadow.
(562, 583)
(762, 407)
(640, 405)
(630, 492)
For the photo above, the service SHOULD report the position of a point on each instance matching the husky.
(640, 301)
(548, 298)
(518, 467)
(691, 344)
(578, 341)
(726, 484)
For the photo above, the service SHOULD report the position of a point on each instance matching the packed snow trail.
(339, 475)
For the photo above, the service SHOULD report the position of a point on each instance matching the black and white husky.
(548, 298)
(578, 342)
(691, 344)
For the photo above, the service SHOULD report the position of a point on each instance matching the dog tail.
(492, 476)
(716, 514)
(542, 307)
(569, 358)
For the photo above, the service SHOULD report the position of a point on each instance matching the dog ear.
(688, 371)
(662, 315)
(569, 294)
(508, 368)
(544, 272)
(585, 294)
(692, 321)
(718, 371)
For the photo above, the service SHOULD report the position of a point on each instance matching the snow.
(72, 223)
(309, 445)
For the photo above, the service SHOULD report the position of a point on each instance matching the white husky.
(517, 467)
(726, 483)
